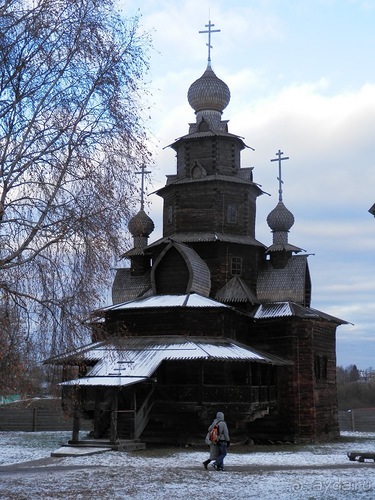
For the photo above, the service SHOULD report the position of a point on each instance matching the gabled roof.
(132, 360)
(236, 290)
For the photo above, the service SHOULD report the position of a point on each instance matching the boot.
(205, 463)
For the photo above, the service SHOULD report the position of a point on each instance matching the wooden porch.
(116, 424)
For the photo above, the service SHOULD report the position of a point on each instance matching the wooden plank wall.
(358, 420)
(36, 419)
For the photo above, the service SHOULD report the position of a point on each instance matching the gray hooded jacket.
(223, 428)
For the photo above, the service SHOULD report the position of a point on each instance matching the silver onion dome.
(209, 93)
(280, 219)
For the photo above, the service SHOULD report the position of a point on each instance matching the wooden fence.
(360, 420)
(48, 416)
(52, 419)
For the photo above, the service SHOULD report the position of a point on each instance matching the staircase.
(120, 445)
(95, 446)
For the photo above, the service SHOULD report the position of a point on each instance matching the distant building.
(208, 318)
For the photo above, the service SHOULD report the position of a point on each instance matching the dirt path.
(43, 465)
(53, 464)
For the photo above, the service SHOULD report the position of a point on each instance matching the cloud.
(328, 180)
(307, 91)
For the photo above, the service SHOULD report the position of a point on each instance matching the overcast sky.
(302, 79)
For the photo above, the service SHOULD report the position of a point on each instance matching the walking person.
(214, 451)
(222, 443)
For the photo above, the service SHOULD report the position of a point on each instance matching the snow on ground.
(275, 471)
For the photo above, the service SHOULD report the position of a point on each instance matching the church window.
(321, 364)
(203, 126)
(236, 266)
(170, 215)
(197, 172)
(232, 213)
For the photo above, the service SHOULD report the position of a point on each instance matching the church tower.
(210, 203)
(132, 281)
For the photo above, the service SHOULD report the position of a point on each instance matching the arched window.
(203, 126)
(197, 172)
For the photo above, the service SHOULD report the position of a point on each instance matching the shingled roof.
(289, 309)
(291, 283)
(239, 179)
(206, 237)
(128, 287)
(236, 290)
(199, 280)
(167, 300)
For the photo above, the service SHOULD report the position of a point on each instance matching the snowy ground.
(279, 471)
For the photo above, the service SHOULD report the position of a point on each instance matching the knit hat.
(219, 415)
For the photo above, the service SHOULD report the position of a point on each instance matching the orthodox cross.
(280, 159)
(143, 173)
(209, 31)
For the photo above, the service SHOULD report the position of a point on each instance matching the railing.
(142, 415)
(210, 393)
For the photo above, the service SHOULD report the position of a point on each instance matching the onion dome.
(280, 219)
(141, 225)
(208, 93)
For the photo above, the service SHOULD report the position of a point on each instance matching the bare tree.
(71, 138)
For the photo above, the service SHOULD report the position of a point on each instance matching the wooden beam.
(114, 408)
(76, 416)
(97, 413)
(76, 425)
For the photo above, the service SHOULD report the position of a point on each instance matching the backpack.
(214, 434)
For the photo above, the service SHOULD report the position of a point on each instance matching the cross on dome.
(280, 159)
(209, 31)
(143, 173)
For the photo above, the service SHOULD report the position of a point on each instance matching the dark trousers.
(222, 454)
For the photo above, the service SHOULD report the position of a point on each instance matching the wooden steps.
(120, 445)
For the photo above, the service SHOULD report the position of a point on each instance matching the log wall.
(307, 406)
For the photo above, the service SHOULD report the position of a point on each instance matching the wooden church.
(207, 318)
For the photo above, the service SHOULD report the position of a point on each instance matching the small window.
(232, 214)
(197, 172)
(203, 126)
(236, 266)
(321, 365)
(170, 215)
